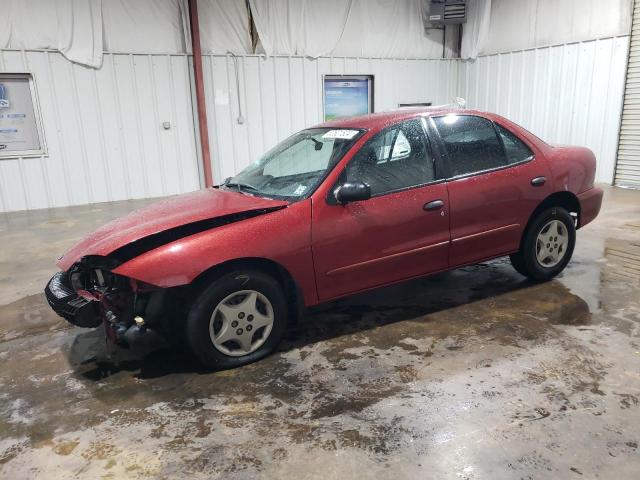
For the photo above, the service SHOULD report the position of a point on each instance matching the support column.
(200, 99)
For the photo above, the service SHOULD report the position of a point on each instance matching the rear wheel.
(547, 245)
(240, 318)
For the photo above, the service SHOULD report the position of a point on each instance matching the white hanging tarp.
(388, 29)
(224, 26)
(476, 30)
(149, 26)
(358, 28)
(73, 27)
(82, 29)
(5, 30)
(162, 26)
(300, 27)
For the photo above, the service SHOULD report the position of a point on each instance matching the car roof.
(375, 121)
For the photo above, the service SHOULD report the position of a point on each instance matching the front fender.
(283, 236)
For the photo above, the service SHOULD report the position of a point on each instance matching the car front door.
(495, 184)
(400, 232)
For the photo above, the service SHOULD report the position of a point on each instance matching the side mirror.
(352, 192)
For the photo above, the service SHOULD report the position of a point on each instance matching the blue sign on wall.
(347, 96)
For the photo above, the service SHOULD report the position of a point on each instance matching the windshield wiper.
(239, 186)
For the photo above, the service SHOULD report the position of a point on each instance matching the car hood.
(170, 215)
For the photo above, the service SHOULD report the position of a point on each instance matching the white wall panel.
(104, 127)
(524, 24)
(104, 131)
(566, 94)
(281, 95)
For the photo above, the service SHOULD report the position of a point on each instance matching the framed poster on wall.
(21, 133)
(347, 95)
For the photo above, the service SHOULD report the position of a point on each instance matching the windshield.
(295, 167)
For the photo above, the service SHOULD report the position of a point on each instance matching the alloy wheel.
(552, 243)
(241, 323)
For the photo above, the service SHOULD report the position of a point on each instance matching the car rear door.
(495, 182)
(400, 232)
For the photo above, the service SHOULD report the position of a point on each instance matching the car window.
(297, 165)
(471, 143)
(301, 157)
(515, 148)
(401, 148)
(396, 158)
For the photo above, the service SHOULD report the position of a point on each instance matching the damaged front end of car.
(89, 294)
(137, 273)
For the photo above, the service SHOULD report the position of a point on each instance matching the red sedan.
(336, 209)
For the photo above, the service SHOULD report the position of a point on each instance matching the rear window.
(471, 143)
(515, 148)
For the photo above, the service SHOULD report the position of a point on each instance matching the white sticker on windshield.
(300, 190)
(342, 134)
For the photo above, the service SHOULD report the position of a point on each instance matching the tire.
(243, 302)
(517, 263)
(547, 245)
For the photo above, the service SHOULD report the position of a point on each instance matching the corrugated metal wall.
(567, 94)
(104, 131)
(628, 165)
(104, 127)
(280, 95)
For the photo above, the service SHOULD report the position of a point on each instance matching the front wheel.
(547, 245)
(240, 318)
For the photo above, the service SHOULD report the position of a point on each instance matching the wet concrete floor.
(475, 373)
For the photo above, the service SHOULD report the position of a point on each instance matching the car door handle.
(434, 205)
(538, 181)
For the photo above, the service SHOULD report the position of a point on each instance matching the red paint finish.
(489, 211)
(283, 236)
(590, 203)
(574, 168)
(166, 214)
(335, 250)
(378, 241)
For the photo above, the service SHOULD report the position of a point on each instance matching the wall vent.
(448, 12)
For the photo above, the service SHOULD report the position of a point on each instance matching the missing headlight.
(93, 273)
(77, 280)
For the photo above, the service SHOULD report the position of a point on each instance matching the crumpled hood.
(162, 216)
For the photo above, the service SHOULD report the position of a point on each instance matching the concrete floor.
(475, 373)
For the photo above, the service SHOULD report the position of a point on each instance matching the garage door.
(628, 165)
